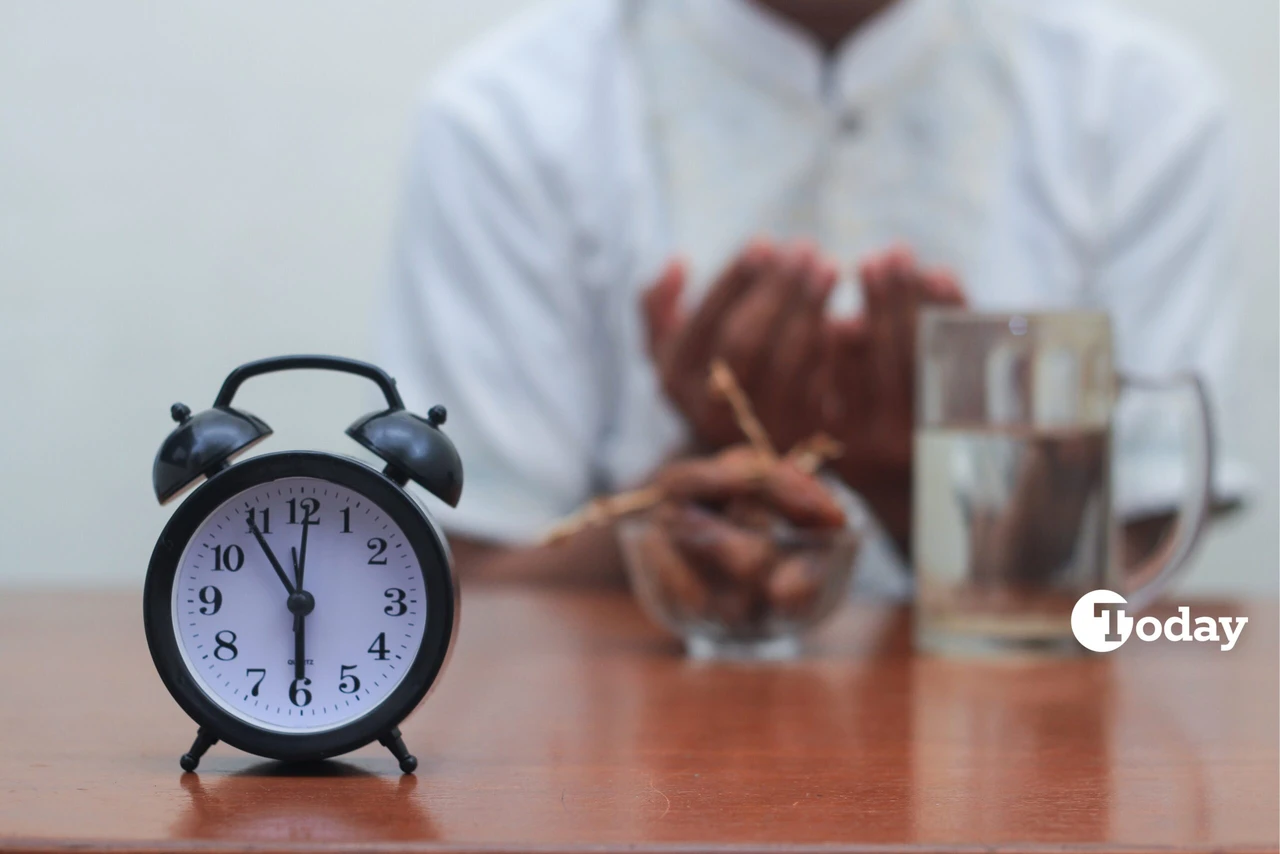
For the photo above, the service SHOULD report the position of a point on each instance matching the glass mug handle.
(1147, 579)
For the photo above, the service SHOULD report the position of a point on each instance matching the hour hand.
(275, 564)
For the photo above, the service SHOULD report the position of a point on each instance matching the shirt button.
(850, 122)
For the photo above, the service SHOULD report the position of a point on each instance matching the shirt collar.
(772, 51)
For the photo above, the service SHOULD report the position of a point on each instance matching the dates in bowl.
(746, 577)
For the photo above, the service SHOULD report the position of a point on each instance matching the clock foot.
(393, 742)
(203, 742)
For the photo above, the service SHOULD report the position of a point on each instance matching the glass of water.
(1013, 517)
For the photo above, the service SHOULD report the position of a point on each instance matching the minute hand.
(275, 564)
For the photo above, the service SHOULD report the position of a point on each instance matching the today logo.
(1101, 624)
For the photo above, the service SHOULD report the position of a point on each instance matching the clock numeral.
(345, 686)
(379, 647)
(266, 520)
(346, 520)
(227, 644)
(379, 546)
(231, 558)
(212, 598)
(262, 674)
(310, 511)
(397, 607)
(299, 696)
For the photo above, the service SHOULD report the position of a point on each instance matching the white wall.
(185, 186)
(1239, 38)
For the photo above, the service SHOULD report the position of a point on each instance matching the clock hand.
(300, 603)
(305, 602)
(300, 558)
(275, 564)
(299, 647)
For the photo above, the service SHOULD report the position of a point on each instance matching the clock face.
(357, 620)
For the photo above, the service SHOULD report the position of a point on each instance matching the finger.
(795, 359)
(799, 335)
(680, 585)
(717, 546)
(823, 284)
(944, 289)
(801, 498)
(904, 289)
(748, 329)
(807, 290)
(873, 279)
(750, 512)
(737, 471)
(693, 351)
(879, 321)
(661, 305)
(868, 274)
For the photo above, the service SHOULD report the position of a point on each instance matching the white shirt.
(1054, 154)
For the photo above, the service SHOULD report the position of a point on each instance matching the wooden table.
(566, 722)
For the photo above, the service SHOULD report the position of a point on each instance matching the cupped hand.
(764, 317)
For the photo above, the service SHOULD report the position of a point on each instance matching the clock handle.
(323, 363)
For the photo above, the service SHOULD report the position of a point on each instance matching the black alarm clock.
(299, 605)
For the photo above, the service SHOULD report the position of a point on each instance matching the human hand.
(713, 544)
(763, 316)
(740, 484)
(870, 380)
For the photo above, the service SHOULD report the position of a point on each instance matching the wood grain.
(566, 722)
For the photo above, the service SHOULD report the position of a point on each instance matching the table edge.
(60, 846)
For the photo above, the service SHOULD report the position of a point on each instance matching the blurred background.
(188, 186)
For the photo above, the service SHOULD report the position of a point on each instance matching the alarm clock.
(299, 605)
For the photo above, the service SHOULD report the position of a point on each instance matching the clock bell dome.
(202, 444)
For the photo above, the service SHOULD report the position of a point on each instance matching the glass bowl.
(730, 590)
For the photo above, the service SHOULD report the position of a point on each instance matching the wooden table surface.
(566, 722)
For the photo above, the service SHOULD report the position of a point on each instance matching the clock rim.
(420, 530)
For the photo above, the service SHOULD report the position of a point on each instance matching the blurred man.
(607, 195)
